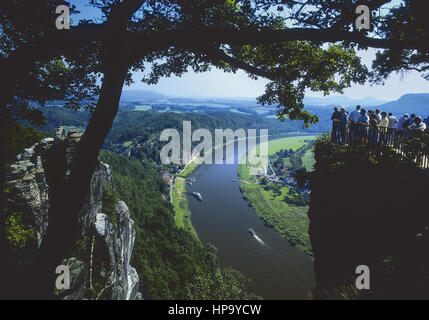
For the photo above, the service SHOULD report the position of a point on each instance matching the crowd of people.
(362, 126)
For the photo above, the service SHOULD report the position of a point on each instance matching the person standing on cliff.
(335, 124)
(373, 128)
(391, 127)
(384, 124)
(378, 114)
(363, 126)
(354, 117)
(344, 120)
(418, 124)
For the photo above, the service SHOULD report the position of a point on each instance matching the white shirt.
(379, 117)
(392, 121)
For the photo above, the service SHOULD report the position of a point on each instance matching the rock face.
(100, 265)
(28, 190)
(120, 241)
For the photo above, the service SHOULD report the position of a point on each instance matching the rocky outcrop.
(28, 192)
(100, 262)
(368, 208)
(119, 242)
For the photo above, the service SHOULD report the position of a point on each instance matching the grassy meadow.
(289, 220)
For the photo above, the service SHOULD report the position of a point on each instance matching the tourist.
(373, 128)
(418, 124)
(363, 122)
(344, 120)
(392, 121)
(391, 127)
(377, 113)
(384, 124)
(403, 121)
(335, 124)
(354, 117)
(410, 122)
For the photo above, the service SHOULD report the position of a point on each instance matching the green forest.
(171, 262)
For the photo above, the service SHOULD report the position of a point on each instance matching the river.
(276, 269)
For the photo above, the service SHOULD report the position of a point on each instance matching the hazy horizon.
(218, 84)
(154, 90)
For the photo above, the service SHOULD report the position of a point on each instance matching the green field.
(308, 160)
(182, 216)
(127, 143)
(143, 108)
(276, 145)
(289, 220)
(189, 169)
(293, 143)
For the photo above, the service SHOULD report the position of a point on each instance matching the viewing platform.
(410, 143)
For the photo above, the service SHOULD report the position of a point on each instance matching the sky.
(216, 83)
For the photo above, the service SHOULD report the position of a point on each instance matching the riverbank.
(269, 203)
(182, 217)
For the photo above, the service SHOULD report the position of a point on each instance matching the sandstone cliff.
(100, 261)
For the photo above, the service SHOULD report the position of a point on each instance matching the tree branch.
(220, 55)
(63, 42)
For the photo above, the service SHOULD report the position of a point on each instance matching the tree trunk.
(70, 196)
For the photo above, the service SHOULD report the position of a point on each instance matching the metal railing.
(407, 142)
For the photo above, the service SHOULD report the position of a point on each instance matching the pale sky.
(219, 84)
(216, 83)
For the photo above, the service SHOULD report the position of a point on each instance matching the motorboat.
(197, 195)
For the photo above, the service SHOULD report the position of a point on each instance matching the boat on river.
(197, 195)
(251, 231)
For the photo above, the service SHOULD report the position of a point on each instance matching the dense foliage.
(171, 263)
(368, 208)
(19, 137)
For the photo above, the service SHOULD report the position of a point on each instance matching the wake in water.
(259, 239)
(253, 233)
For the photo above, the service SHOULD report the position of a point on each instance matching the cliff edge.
(99, 262)
(368, 207)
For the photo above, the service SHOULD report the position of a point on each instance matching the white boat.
(251, 231)
(197, 195)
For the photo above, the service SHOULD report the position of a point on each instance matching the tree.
(288, 42)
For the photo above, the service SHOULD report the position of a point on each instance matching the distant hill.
(417, 103)
(342, 101)
(410, 103)
(149, 96)
(137, 95)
